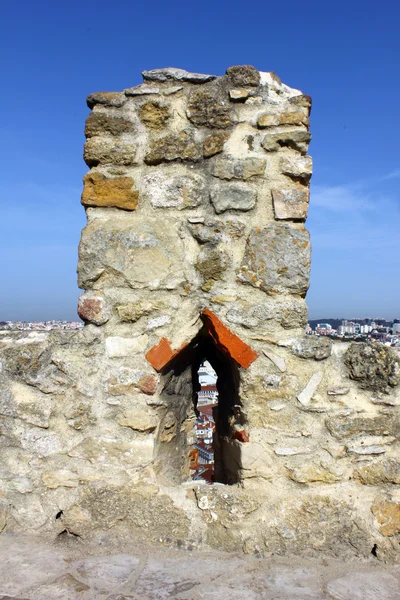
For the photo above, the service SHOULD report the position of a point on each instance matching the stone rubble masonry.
(196, 198)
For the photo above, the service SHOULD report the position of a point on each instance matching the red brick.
(241, 352)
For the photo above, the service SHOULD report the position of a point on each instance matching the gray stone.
(177, 75)
(291, 203)
(233, 197)
(373, 366)
(360, 449)
(165, 190)
(277, 259)
(308, 392)
(313, 347)
(141, 90)
(298, 168)
(298, 140)
(231, 168)
(364, 585)
(175, 146)
(112, 99)
(209, 232)
(338, 391)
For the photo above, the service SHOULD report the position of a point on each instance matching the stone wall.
(195, 248)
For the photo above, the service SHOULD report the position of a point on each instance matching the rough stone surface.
(277, 259)
(233, 197)
(207, 108)
(297, 139)
(243, 75)
(106, 124)
(118, 192)
(380, 472)
(314, 347)
(388, 516)
(113, 99)
(298, 168)
(186, 190)
(176, 75)
(173, 147)
(291, 203)
(229, 168)
(154, 115)
(373, 366)
(106, 150)
(214, 144)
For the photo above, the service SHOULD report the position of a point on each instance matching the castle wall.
(195, 247)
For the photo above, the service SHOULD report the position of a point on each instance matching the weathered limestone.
(195, 247)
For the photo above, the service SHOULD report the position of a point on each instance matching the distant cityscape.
(367, 329)
(201, 455)
(39, 325)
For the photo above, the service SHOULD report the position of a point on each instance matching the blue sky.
(344, 54)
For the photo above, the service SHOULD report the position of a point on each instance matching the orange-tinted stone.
(241, 352)
(161, 354)
(102, 191)
(241, 436)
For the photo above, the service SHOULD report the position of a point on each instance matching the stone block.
(291, 203)
(107, 150)
(99, 123)
(112, 99)
(60, 478)
(93, 309)
(209, 232)
(179, 190)
(176, 75)
(231, 168)
(239, 94)
(142, 90)
(277, 259)
(208, 108)
(233, 197)
(387, 513)
(138, 420)
(103, 191)
(298, 168)
(118, 347)
(133, 253)
(154, 115)
(214, 143)
(172, 147)
(297, 139)
(373, 366)
(380, 472)
(243, 75)
(211, 264)
(350, 426)
(312, 347)
(124, 381)
(313, 473)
